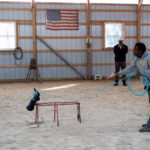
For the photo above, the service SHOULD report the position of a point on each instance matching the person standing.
(120, 51)
(141, 64)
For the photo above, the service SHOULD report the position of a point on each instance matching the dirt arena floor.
(110, 120)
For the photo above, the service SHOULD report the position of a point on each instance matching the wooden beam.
(63, 50)
(43, 23)
(16, 20)
(113, 4)
(145, 37)
(112, 10)
(24, 23)
(16, 34)
(145, 24)
(140, 3)
(75, 37)
(14, 2)
(34, 36)
(94, 22)
(88, 40)
(130, 37)
(82, 10)
(59, 3)
(145, 11)
(103, 36)
(55, 37)
(43, 9)
(58, 55)
(62, 37)
(93, 10)
(16, 9)
(124, 30)
(56, 65)
(139, 22)
(25, 37)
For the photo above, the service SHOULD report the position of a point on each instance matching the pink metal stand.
(55, 104)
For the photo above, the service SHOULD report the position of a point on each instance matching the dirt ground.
(110, 119)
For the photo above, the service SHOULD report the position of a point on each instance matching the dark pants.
(119, 65)
(148, 92)
(148, 122)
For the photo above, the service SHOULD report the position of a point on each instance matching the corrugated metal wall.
(61, 44)
(96, 30)
(74, 57)
(145, 30)
(25, 44)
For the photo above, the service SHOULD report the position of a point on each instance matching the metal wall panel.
(58, 6)
(145, 7)
(25, 44)
(102, 70)
(15, 15)
(15, 5)
(108, 57)
(62, 44)
(147, 42)
(113, 7)
(68, 44)
(145, 17)
(61, 72)
(25, 30)
(102, 57)
(145, 30)
(42, 31)
(113, 16)
(9, 59)
(72, 57)
(130, 31)
(97, 43)
(130, 43)
(13, 73)
(96, 30)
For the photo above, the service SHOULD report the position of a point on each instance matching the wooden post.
(139, 20)
(103, 36)
(88, 37)
(16, 33)
(34, 36)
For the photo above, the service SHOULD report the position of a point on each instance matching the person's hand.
(138, 73)
(112, 75)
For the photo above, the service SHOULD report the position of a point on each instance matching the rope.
(138, 93)
(6, 101)
(18, 55)
(7, 112)
(79, 98)
(97, 92)
(17, 51)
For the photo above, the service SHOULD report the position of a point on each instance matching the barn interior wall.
(72, 49)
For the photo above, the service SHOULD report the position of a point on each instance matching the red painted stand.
(56, 104)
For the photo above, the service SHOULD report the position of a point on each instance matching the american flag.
(62, 19)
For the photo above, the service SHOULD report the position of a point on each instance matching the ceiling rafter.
(140, 3)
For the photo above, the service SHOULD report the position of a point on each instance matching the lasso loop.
(138, 93)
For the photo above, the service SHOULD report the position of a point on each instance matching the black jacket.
(120, 54)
